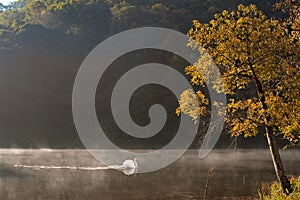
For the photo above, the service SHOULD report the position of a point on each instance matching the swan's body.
(130, 164)
(129, 167)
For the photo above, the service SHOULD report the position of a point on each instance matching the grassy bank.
(273, 191)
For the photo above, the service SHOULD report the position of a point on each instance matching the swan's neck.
(135, 162)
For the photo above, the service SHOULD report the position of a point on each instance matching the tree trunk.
(277, 163)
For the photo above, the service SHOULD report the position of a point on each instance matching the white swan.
(130, 164)
(129, 167)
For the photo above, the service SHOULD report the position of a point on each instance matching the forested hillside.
(63, 22)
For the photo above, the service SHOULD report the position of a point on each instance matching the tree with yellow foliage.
(252, 53)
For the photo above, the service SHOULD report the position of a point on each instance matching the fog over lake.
(236, 174)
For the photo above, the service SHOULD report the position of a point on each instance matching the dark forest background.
(43, 43)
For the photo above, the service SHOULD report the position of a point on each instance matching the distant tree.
(37, 6)
(252, 52)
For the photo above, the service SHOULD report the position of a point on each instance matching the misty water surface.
(235, 175)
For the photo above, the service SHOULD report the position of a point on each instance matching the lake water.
(75, 175)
